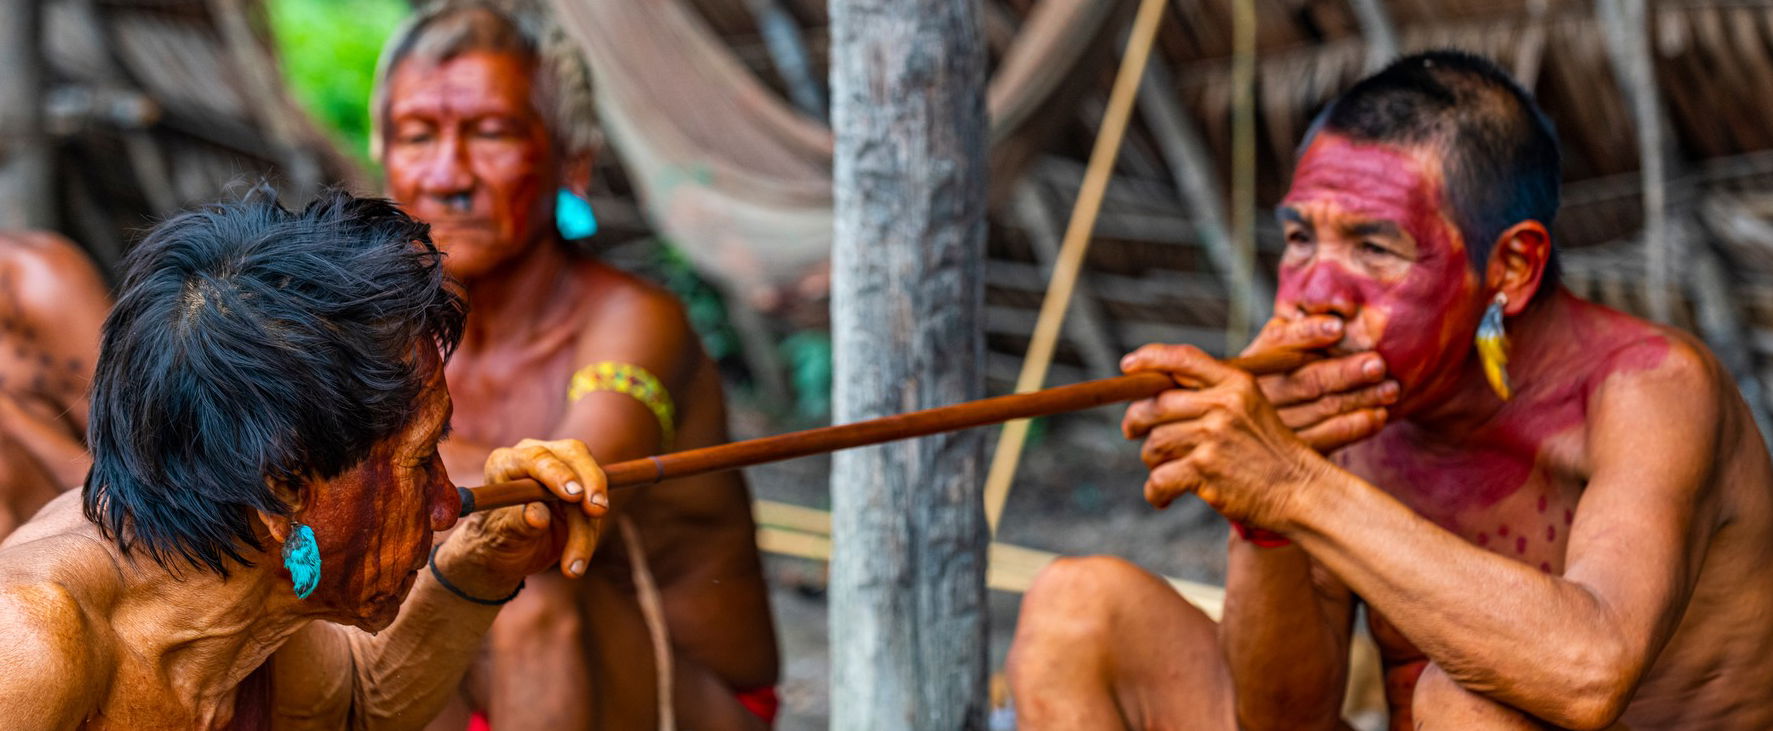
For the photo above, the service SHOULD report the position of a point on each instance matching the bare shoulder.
(632, 320)
(622, 296)
(53, 666)
(45, 254)
(52, 275)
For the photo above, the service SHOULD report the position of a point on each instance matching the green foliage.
(328, 50)
(808, 353)
(701, 301)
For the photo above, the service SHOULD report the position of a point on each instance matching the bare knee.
(1068, 616)
(1440, 703)
(547, 612)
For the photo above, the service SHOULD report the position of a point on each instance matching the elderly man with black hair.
(487, 135)
(266, 411)
(1556, 515)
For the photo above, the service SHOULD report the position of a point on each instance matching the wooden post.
(1625, 23)
(909, 538)
(27, 173)
(1381, 35)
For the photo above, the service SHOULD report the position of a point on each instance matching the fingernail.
(1330, 327)
(1388, 389)
(1373, 367)
(578, 567)
(573, 488)
(600, 500)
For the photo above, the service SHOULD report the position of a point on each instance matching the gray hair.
(560, 89)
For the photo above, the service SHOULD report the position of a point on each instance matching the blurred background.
(716, 181)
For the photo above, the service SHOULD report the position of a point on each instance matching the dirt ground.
(1078, 492)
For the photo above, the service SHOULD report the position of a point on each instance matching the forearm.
(1287, 655)
(408, 672)
(1464, 607)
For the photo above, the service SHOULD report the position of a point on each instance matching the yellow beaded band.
(634, 381)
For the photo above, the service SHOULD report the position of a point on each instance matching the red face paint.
(1370, 238)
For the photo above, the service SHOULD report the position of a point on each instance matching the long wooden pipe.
(995, 410)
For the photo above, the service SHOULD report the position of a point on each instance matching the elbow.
(1597, 687)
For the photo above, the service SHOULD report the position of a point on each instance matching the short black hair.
(1502, 161)
(250, 342)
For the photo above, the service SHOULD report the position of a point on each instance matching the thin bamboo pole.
(1089, 394)
(1072, 250)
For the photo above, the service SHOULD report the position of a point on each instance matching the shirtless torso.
(1570, 531)
(1513, 489)
(699, 539)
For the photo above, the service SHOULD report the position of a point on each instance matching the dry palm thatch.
(149, 106)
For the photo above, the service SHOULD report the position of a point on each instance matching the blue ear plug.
(572, 215)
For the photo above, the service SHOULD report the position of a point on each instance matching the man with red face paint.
(476, 127)
(1575, 536)
(52, 301)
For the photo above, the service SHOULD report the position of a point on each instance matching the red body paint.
(1370, 239)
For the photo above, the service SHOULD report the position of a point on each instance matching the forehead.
(1367, 180)
(472, 82)
(433, 406)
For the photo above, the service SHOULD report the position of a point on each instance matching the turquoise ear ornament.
(572, 215)
(301, 555)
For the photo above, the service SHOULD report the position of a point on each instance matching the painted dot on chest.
(1503, 531)
(1542, 505)
(1483, 539)
(1520, 544)
(1551, 533)
(1569, 517)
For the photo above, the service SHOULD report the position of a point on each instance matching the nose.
(446, 502)
(446, 177)
(1326, 289)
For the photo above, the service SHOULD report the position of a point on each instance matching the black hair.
(1502, 162)
(252, 343)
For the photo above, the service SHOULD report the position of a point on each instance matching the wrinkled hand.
(1219, 438)
(1329, 403)
(522, 539)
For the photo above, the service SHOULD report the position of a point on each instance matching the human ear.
(278, 526)
(1517, 264)
(576, 172)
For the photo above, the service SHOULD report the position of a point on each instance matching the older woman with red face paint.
(266, 410)
(1564, 519)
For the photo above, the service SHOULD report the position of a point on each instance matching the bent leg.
(578, 655)
(1102, 643)
(1439, 703)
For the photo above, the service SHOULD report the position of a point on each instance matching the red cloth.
(477, 722)
(761, 702)
(1262, 538)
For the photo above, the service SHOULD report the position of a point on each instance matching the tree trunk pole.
(27, 176)
(908, 562)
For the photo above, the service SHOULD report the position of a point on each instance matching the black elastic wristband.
(458, 592)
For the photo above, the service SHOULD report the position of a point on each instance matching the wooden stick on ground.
(1075, 397)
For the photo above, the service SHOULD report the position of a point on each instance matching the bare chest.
(501, 398)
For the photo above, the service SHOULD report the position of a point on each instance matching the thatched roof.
(156, 104)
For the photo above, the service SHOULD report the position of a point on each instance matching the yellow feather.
(1493, 351)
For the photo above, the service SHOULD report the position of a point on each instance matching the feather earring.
(301, 555)
(1492, 346)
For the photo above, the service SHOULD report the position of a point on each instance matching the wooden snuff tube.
(995, 410)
